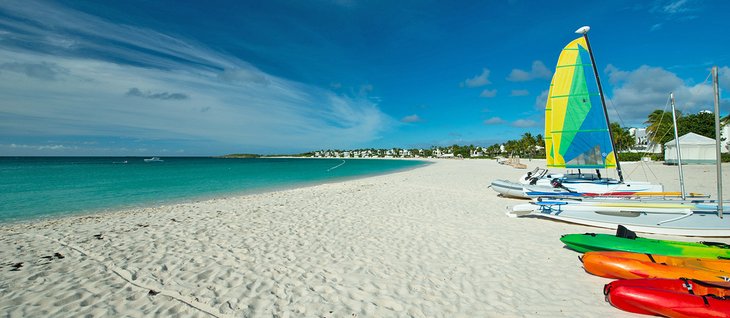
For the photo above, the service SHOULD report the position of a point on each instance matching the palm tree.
(527, 144)
(660, 127)
(622, 137)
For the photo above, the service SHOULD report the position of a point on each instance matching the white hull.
(701, 225)
(617, 208)
(519, 190)
(683, 218)
(509, 189)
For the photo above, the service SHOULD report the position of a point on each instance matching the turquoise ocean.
(42, 187)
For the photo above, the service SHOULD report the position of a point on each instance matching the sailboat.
(675, 217)
(577, 135)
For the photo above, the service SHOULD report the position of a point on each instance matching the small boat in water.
(153, 159)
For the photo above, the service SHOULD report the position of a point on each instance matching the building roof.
(691, 139)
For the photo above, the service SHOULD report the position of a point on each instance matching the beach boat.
(641, 218)
(577, 132)
(153, 159)
(700, 218)
(573, 187)
(626, 240)
(670, 297)
(627, 265)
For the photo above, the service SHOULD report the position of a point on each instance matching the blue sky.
(190, 78)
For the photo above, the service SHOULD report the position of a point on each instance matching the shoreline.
(205, 197)
(426, 242)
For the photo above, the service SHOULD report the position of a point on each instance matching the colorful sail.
(576, 133)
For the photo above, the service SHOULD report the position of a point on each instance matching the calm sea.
(37, 187)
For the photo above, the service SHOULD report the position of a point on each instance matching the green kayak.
(628, 242)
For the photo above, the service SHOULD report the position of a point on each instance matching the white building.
(643, 145)
(696, 149)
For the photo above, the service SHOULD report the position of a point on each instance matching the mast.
(679, 150)
(716, 86)
(584, 30)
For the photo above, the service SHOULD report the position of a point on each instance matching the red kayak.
(670, 297)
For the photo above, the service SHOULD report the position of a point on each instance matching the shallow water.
(34, 187)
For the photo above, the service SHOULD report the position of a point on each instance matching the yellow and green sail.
(576, 131)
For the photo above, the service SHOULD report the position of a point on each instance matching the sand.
(428, 242)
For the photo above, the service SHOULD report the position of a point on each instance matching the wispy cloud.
(538, 71)
(541, 100)
(411, 119)
(675, 9)
(488, 93)
(41, 147)
(73, 75)
(479, 80)
(494, 121)
(151, 95)
(524, 123)
(675, 6)
(43, 70)
(520, 92)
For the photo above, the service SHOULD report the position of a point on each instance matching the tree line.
(660, 130)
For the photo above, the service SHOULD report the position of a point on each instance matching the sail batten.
(576, 133)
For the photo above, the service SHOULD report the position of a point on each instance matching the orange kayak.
(627, 265)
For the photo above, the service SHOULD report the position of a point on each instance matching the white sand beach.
(428, 242)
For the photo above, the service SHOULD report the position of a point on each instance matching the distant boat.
(125, 161)
(153, 159)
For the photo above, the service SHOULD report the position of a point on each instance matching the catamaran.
(577, 136)
(687, 217)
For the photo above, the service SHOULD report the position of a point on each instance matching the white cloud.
(243, 76)
(674, 7)
(488, 93)
(479, 80)
(541, 99)
(411, 119)
(538, 71)
(41, 147)
(218, 99)
(673, 10)
(524, 123)
(43, 70)
(724, 77)
(136, 92)
(637, 93)
(494, 121)
(520, 92)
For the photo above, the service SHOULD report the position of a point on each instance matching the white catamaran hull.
(692, 224)
(519, 190)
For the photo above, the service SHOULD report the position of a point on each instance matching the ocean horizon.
(49, 187)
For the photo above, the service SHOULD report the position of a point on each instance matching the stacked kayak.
(658, 277)
(670, 297)
(603, 242)
(627, 265)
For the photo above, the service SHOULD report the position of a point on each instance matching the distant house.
(643, 145)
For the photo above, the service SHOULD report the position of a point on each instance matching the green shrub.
(636, 156)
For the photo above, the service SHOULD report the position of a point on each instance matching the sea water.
(39, 187)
